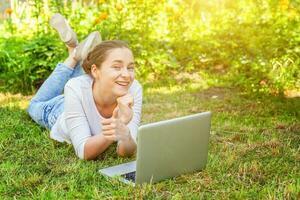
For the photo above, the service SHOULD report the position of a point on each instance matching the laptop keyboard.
(130, 176)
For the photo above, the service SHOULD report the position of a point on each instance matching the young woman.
(97, 108)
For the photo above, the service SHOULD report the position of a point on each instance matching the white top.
(81, 119)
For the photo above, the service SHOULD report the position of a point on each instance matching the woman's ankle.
(70, 61)
(70, 49)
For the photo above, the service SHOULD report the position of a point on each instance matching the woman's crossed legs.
(48, 103)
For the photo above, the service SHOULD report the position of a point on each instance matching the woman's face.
(117, 72)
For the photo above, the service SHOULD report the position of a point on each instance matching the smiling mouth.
(123, 83)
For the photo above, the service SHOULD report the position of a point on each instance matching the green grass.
(254, 151)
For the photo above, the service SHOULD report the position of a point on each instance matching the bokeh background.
(252, 44)
(238, 59)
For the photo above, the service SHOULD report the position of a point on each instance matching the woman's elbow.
(121, 153)
(125, 152)
(84, 154)
(86, 157)
(89, 156)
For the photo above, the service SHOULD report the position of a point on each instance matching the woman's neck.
(102, 97)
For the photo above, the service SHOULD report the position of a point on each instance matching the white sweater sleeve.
(137, 112)
(76, 121)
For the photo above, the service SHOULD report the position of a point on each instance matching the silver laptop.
(166, 149)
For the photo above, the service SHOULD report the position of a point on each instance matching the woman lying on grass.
(97, 108)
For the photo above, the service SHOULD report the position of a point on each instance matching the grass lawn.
(254, 151)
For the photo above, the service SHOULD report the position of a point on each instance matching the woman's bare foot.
(70, 49)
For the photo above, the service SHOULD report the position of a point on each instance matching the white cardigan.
(81, 119)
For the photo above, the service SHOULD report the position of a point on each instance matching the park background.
(238, 59)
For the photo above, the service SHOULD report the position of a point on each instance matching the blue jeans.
(48, 103)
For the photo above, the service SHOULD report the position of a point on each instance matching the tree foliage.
(253, 43)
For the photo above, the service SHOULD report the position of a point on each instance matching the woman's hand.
(114, 129)
(124, 108)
